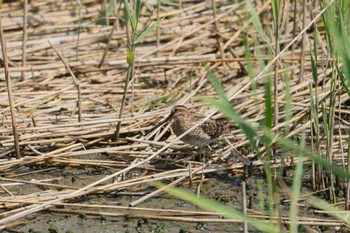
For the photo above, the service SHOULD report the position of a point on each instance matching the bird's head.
(178, 111)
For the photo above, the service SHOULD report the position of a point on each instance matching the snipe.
(200, 136)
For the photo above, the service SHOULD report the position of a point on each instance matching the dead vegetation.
(66, 119)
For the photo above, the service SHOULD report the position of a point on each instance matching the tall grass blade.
(314, 111)
(250, 66)
(131, 17)
(275, 10)
(314, 68)
(336, 30)
(137, 11)
(223, 210)
(224, 105)
(324, 118)
(336, 212)
(287, 101)
(268, 103)
(257, 25)
(298, 174)
(147, 31)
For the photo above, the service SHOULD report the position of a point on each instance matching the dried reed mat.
(66, 104)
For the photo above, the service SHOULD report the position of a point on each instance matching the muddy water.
(221, 186)
(224, 187)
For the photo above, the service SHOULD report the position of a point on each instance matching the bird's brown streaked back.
(203, 134)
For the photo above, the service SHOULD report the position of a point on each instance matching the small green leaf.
(147, 31)
(130, 57)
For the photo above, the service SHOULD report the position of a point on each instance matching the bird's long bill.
(161, 123)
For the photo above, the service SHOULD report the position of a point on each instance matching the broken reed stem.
(107, 45)
(122, 105)
(276, 74)
(9, 90)
(303, 39)
(191, 172)
(24, 40)
(217, 29)
(130, 72)
(154, 193)
(75, 81)
(244, 206)
(79, 30)
(66, 129)
(158, 27)
(113, 207)
(348, 181)
(39, 183)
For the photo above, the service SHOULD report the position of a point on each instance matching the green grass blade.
(270, 185)
(147, 31)
(225, 107)
(250, 66)
(314, 69)
(105, 14)
(298, 174)
(223, 210)
(130, 15)
(314, 111)
(336, 212)
(287, 101)
(325, 119)
(257, 24)
(343, 81)
(251, 132)
(275, 10)
(295, 148)
(336, 30)
(137, 12)
(268, 103)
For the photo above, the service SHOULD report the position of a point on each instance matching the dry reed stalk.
(130, 70)
(108, 44)
(244, 206)
(38, 183)
(303, 43)
(24, 41)
(51, 137)
(9, 91)
(75, 81)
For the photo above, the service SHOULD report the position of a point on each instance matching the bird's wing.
(214, 128)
